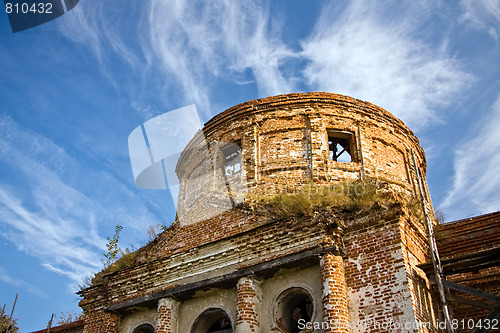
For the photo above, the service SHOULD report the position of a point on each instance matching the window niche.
(341, 146)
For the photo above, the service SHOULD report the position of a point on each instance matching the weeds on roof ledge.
(127, 259)
(355, 194)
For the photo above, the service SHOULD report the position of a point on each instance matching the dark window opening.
(300, 309)
(221, 325)
(212, 321)
(340, 145)
(295, 307)
(144, 328)
(232, 159)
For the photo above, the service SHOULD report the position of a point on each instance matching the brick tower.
(299, 216)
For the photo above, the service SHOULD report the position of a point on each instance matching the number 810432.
(26, 8)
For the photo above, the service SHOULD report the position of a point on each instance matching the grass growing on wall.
(359, 193)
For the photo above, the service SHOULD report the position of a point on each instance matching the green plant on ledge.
(116, 259)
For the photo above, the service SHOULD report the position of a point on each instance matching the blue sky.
(73, 89)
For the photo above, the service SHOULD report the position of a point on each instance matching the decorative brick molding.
(334, 295)
(166, 320)
(248, 305)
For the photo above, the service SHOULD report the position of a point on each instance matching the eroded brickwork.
(166, 318)
(269, 241)
(334, 298)
(379, 274)
(100, 321)
(248, 305)
(96, 319)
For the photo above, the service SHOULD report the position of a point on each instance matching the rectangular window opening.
(232, 158)
(341, 146)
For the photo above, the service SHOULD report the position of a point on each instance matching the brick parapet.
(248, 305)
(312, 99)
(179, 239)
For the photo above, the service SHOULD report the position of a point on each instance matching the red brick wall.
(100, 322)
(383, 286)
(467, 316)
(466, 237)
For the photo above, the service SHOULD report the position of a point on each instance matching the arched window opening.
(294, 308)
(144, 328)
(213, 321)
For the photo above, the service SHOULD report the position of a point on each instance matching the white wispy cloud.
(7, 279)
(199, 42)
(50, 217)
(83, 24)
(372, 51)
(106, 31)
(476, 179)
(56, 238)
(191, 45)
(483, 14)
(18, 283)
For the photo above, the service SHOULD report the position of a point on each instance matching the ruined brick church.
(356, 264)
